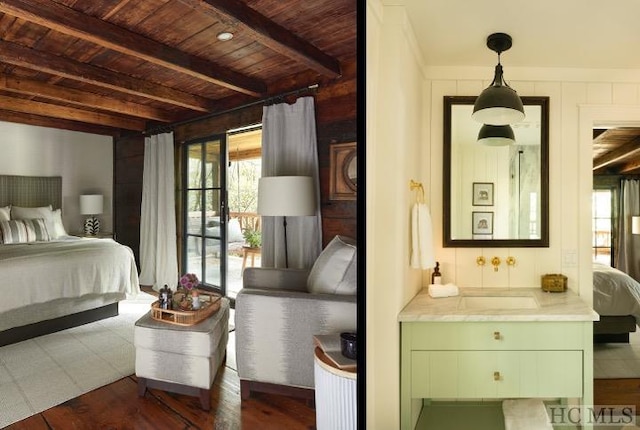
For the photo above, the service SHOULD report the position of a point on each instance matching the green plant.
(252, 237)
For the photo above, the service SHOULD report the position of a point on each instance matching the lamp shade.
(286, 196)
(498, 104)
(635, 225)
(496, 135)
(91, 204)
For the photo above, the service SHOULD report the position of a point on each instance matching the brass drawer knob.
(496, 376)
(497, 335)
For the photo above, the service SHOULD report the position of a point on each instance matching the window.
(602, 226)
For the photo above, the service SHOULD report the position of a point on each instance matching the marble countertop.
(566, 306)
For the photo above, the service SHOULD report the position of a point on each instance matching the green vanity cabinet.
(476, 357)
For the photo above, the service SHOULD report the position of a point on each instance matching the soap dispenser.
(436, 276)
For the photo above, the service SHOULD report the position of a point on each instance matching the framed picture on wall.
(343, 172)
(482, 222)
(483, 193)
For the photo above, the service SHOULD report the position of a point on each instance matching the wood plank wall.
(336, 123)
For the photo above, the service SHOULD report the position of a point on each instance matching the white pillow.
(44, 212)
(5, 213)
(334, 272)
(57, 225)
(18, 212)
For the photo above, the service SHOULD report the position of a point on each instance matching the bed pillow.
(44, 212)
(24, 231)
(5, 213)
(57, 226)
(334, 272)
(19, 212)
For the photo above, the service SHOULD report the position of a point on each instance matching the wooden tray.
(210, 303)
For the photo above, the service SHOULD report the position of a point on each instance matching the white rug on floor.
(617, 360)
(40, 373)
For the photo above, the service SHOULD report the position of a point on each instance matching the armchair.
(279, 310)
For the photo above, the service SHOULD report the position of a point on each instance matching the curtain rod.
(171, 126)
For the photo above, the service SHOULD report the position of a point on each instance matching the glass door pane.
(205, 249)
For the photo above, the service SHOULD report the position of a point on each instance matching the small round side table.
(336, 395)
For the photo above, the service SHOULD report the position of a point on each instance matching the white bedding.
(69, 267)
(614, 292)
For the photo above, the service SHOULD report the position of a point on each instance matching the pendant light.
(498, 104)
(496, 135)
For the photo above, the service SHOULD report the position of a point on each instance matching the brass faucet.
(495, 261)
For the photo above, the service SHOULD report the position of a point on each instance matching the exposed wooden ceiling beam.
(245, 154)
(268, 33)
(630, 168)
(82, 98)
(627, 150)
(68, 21)
(45, 121)
(22, 56)
(69, 113)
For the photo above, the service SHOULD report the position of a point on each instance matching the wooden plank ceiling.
(117, 66)
(616, 151)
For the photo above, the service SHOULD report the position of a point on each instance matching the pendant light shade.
(498, 104)
(496, 135)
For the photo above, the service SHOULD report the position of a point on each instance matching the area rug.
(617, 360)
(40, 373)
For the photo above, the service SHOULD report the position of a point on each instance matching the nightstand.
(101, 235)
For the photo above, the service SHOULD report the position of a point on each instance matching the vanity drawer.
(496, 374)
(496, 335)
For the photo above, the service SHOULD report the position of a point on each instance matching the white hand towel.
(421, 238)
(446, 290)
(525, 414)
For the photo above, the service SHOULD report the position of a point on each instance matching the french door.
(205, 206)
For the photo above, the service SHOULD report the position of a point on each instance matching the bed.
(50, 280)
(616, 298)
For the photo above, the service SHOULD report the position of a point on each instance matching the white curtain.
(158, 253)
(289, 148)
(628, 257)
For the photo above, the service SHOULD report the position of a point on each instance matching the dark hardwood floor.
(117, 406)
(617, 392)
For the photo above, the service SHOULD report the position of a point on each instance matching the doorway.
(244, 227)
(205, 223)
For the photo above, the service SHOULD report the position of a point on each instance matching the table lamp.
(91, 204)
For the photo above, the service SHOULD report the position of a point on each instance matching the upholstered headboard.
(31, 191)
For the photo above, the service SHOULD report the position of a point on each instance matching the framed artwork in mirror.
(483, 194)
(482, 223)
(343, 171)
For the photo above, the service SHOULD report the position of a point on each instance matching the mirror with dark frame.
(495, 195)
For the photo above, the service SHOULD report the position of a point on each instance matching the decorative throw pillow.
(23, 231)
(5, 213)
(334, 272)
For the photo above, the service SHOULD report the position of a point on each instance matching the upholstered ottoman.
(180, 359)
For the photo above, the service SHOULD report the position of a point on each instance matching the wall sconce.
(498, 104)
(496, 135)
(635, 224)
